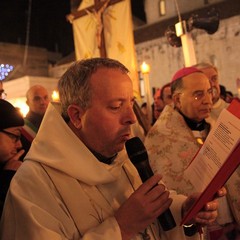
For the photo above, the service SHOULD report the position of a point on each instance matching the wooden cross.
(98, 8)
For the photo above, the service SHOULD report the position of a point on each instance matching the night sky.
(48, 25)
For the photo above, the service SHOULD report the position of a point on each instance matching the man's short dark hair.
(163, 87)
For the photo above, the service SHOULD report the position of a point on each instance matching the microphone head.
(136, 150)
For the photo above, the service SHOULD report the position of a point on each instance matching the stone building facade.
(221, 48)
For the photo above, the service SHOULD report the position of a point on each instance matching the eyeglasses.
(3, 94)
(199, 95)
(13, 136)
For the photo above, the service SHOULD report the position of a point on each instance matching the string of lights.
(5, 69)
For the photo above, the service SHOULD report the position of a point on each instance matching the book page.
(220, 143)
(217, 159)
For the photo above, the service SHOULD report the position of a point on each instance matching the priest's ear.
(177, 100)
(75, 114)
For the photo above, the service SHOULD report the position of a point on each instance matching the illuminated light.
(24, 109)
(21, 104)
(55, 96)
(162, 7)
(5, 70)
(200, 141)
(145, 68)
(180, 28)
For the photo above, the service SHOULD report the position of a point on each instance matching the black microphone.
(137, 153)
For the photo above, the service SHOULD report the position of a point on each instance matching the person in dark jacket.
(11, 123)
(37, 100)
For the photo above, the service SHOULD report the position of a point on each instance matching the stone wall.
(152, 8)
(221, 49)
(36, 62)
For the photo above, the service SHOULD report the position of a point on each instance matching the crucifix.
(97, 10)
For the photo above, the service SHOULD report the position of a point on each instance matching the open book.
(217, 159)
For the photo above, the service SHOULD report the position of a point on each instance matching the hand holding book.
(216, 160)
(206, 216)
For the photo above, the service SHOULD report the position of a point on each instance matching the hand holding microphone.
(142, 208)
(138, 155)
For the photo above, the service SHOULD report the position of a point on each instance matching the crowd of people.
(76, 180)
(11, 150)
(15, 136)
